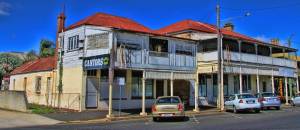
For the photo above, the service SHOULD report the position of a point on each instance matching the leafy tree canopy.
(8, 63)
(47, 48)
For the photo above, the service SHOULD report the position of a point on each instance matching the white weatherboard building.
(248, 63)
(146, 64)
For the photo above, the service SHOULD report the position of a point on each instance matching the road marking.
(235, 116)
(195, 119)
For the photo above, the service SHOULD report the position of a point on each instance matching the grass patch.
(38, 109)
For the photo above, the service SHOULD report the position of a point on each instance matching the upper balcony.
(246, 52)
(145, 59)
(247, 58)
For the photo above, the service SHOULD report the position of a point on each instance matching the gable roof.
(202, 27)
(107, 20)
(41, 64)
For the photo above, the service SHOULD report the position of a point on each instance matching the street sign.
(121, 81)
(96, 62)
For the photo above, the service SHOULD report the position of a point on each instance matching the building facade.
(143, 64)
(248, 63)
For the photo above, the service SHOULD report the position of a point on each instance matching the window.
(38, 84)
(62, 42)
(73, 43)
(25, 84)
(48, 85)
(14, 84)
(184, 49)
(158, 47)
(168, 100)
(137, 88)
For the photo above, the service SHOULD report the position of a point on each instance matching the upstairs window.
(73, 43)
(61, 41)
(184, 49)
(158, 47)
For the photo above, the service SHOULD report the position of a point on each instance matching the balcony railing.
(244, 57)
(152, 59)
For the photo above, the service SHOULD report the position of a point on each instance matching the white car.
(240, 102)
(296, 100)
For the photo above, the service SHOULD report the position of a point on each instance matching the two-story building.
(143, 64)
(248, 63)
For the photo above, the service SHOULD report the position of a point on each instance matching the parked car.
(269, 100)
(241, 102)
(296, 100)
(168, 107)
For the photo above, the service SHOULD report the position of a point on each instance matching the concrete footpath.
(11, 119)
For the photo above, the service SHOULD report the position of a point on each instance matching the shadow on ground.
(96, 114)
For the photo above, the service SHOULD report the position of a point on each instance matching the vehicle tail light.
(278, 98)
(180, 107)
(153, 108)
(261, 99)
(241, 101)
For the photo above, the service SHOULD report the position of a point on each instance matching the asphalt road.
(285, 119)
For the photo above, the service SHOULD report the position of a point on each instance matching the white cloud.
(263, 38)
(4, 8)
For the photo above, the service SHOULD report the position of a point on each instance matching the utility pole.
(220, 63)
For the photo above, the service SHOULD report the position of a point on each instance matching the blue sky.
(24, 22)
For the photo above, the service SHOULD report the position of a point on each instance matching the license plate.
(250, 102)
(166, 115)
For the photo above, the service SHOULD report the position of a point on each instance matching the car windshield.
(268, 95)
(245, 96)
(168, 100)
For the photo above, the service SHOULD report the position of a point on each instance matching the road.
(266, 120)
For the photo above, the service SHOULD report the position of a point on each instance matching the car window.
(297, 95)
(168, 100)
(232, 97)
(268, 95)
(243, 96)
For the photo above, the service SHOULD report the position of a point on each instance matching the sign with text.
(96, 62)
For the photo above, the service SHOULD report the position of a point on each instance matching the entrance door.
(159, 88)
(91, 92)
(182, 89)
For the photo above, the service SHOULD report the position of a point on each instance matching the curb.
(137, 117)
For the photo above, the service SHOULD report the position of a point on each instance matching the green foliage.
(8, 63)
(38, 109)
(30, 56)
(47, 48)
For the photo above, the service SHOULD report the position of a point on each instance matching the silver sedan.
(296, 100)
(269, 100)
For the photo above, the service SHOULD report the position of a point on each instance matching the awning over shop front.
(169, 75)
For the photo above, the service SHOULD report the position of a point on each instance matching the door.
(159, 88)
(91, 92)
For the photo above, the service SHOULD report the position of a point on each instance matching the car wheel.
(292, 103)
(257, 111)
(234, 109)
(277, 108)
(155, 119)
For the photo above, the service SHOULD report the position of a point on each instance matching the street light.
(221, 58)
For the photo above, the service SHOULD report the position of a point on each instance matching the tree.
(47, 48)
(8, 63)
(30, 56)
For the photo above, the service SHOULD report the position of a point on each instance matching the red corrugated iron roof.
(202, 27)
(107, 20)
(41, 64)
